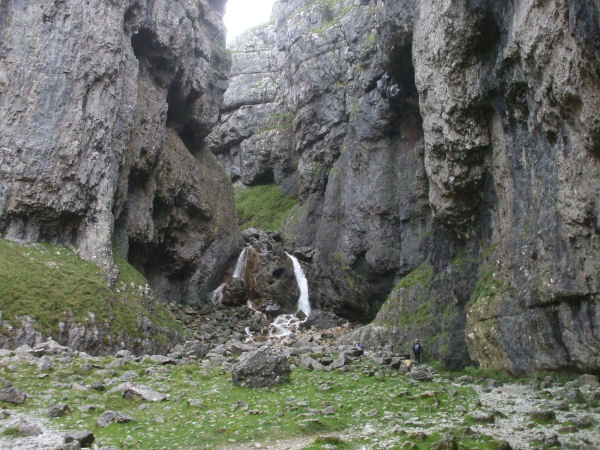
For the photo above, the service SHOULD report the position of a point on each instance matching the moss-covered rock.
(49, 291)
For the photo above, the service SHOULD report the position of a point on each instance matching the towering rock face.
(103, 108)
(253, 138)
(467, 205)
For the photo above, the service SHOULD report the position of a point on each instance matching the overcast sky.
(243, 14)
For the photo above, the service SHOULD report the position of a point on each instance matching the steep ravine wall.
(103, 107)
(463, 212)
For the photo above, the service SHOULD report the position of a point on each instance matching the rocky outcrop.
(266, 276)
(103, 109)
(464, 205)
(253, 139)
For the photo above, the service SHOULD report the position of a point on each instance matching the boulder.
(98, 385)
(141, 392)
(29, 429)
(84, 438)
(309, 363)
(195, 349)
(337, 363)
(12, 395)
(162, 360)
(447, 442)
(45, 364)
(421, 373)
(235, 292)
(543, 416)
(586, 380)
(320, 320)
(262, 367)
(482, 417)
(58, 410)
(108, 417)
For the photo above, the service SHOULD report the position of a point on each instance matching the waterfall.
(217, 294)
(240, 265)
(303, 304)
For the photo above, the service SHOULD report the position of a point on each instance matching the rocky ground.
(304, 391)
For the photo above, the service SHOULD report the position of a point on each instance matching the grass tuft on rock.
(263, 207)
(12, 432)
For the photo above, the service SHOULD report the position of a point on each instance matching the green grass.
(420, 276)
(277, 121)
(12, 432)
(51, 284)
(232, 415)
(263, 207)
(488, 289)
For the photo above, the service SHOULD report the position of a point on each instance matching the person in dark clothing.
(417, 351)
(358, 348)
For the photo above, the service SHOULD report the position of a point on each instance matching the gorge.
(462, 210)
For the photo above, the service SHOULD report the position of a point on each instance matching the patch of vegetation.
(228, 415)
(263, 207)
(277, 121)
(396, 312)
(220, 56)
(331, 8)
(131, 283)
(369, 40)
(326, 442)
(52, 284)
(480, 374)
(488, 289)
(12, 432)
(420, 276)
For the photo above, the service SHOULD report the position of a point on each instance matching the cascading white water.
(303, 303)
(286, 324)
(240, 265)
(249, 336)
(217, 295)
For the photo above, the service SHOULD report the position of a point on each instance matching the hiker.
(417, 350)
(358, 347)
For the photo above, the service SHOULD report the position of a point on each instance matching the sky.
(241, 15)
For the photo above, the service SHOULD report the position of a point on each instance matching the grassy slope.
(50, 283)
(263, 207)
(362, 397)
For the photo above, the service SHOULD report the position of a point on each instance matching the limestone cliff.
(103, 107)
(466, 205)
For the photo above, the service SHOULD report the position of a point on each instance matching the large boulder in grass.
(261, 368)
(108, 417)
(12, 394)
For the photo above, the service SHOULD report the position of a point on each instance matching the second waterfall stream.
(303, 303)
(286, 324)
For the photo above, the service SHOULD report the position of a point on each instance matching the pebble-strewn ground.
(334, 398)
